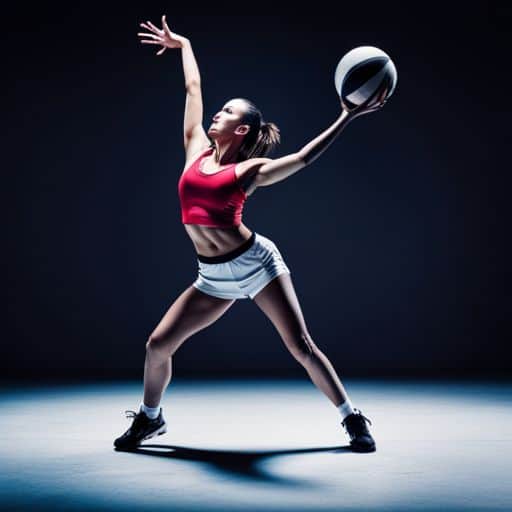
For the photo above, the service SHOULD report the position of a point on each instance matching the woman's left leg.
(279, 302)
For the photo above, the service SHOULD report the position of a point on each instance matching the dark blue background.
(397, 237)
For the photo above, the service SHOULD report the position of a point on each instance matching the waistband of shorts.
(222, 258)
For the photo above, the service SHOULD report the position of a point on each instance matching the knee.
(156, 347)
(304, 348)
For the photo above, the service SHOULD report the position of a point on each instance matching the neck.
(225, 152)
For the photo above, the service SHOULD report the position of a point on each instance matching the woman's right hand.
(163, 37)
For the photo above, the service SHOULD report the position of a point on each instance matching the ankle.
(150, 412)
(345, 409)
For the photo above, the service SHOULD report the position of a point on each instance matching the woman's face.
(227, 121)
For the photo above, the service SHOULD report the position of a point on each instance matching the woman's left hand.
(360, 111)
(371, 105)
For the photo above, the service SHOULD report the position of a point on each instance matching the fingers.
(372, 104)
(150, 26)
(156, 29)
(163, 37)
(165, 26)
(145, 34)
(370, 101)
(145, 26)
(372, 109)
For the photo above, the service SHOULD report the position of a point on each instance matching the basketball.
(362, 73)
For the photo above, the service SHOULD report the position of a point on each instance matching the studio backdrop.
(395, 236)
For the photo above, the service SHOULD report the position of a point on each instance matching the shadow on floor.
(243, 464)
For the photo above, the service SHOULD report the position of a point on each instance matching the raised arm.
(273, 171)
(194, 136)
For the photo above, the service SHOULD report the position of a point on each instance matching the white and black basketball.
(362, 73)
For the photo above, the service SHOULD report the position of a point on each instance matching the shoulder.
(247, 169)
(191, 159)
(256, 161)
(246, 173)
(251, 164)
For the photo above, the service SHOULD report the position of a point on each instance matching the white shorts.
(244, 274)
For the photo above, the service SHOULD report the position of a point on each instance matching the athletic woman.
(222, 169)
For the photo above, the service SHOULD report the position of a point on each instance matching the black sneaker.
(360, 438)
(141, 429)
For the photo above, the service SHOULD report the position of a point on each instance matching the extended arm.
(194, 136)
(277, 170)
(273, 171)
(311, 151)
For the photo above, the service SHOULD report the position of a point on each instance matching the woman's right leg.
(191, 312)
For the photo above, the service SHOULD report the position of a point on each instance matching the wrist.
(344, 113)
(345, 116)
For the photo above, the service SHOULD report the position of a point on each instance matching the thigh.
(191, 312)
(280, 304)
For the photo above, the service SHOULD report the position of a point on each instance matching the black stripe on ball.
(361, 73)
(387, 83)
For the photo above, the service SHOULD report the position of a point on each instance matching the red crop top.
(213, 200)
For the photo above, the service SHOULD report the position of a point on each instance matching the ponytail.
(268, 138)
(262, 137)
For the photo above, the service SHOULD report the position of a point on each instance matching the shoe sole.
(363, 449)
(158, 432)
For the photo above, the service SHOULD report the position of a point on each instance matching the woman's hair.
(261, 138)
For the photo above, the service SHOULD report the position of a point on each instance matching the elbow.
(301, 156)
(305, 157)
(193, 86)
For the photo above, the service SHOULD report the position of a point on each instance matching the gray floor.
(259, 445)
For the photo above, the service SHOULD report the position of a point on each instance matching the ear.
(243, 129)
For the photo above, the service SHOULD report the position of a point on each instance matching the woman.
(223, 168)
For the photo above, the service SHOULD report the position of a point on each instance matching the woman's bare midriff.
(216, 241)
